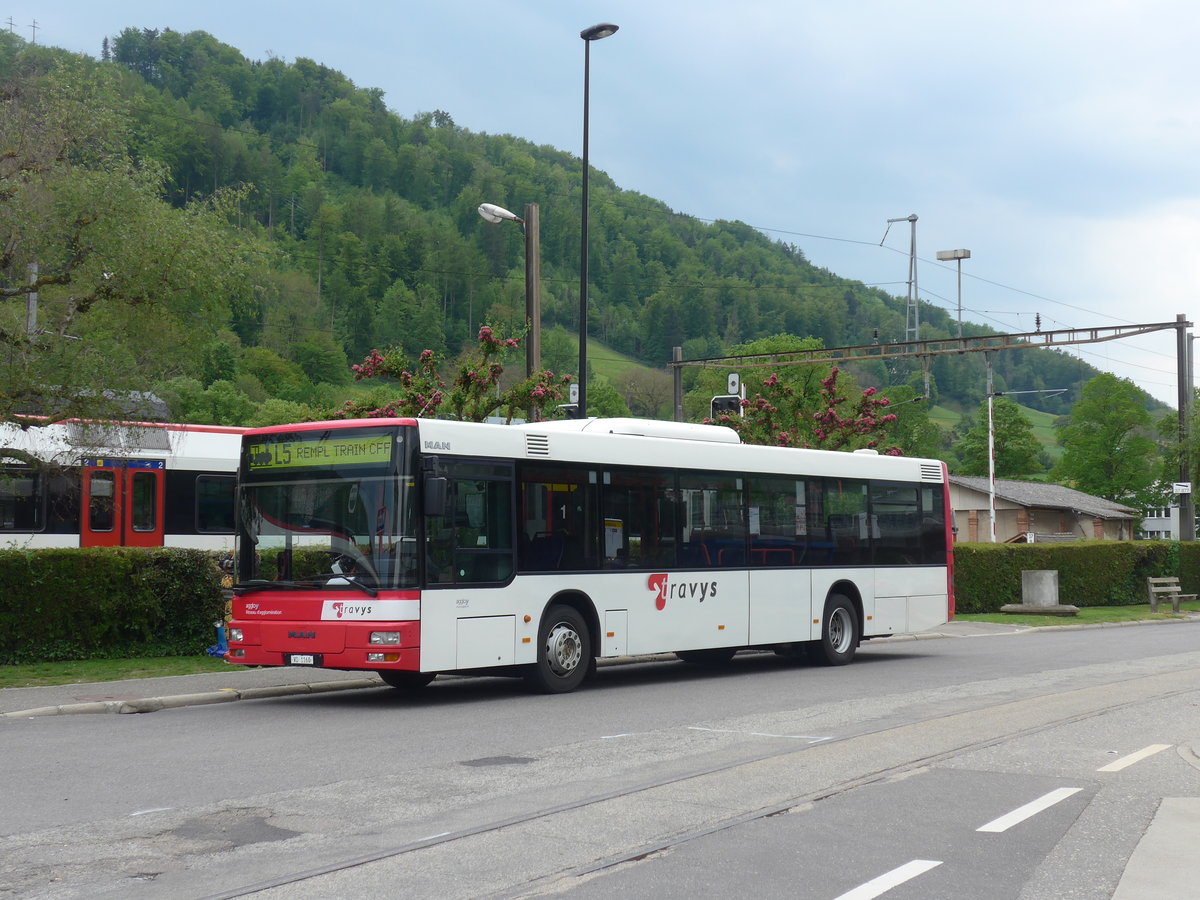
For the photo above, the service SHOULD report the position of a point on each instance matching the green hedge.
(106, 603)
(1090, 573)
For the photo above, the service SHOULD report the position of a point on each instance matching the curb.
(177, 701)
(231, 695)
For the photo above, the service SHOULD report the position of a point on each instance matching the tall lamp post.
(595, 33)
(531, 227)
(959, 255)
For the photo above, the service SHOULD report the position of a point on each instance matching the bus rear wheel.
(564, 656)
(839, 632)
(405, 680)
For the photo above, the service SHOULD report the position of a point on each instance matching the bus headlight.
(385, 637)
(235, 634)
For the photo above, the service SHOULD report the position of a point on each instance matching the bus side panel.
(459, 625)
(781, 607)
(665, 611)
(683, 610)
(908, 600)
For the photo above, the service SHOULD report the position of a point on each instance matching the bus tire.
(564, 656)
(405, 680)
(711, 658)
(839, 632)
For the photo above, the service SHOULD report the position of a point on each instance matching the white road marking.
(888, 880)
(1019, 815)
(812, 739)
(1125, 761)
(143, 812)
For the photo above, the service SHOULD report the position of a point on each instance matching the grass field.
(89, 670)
(1088, 615)
(1041, 422)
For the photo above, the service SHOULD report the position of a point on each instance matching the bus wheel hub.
(563, 649)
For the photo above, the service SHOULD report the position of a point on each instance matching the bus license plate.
(304, 659)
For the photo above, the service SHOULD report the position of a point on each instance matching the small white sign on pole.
(1182, 487)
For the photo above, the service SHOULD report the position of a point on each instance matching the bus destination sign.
(346, 451)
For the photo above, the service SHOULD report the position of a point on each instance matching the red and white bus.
(122, 484)
(413, 547)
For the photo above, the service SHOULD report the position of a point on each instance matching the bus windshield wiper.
(339, 578)
(250, 587)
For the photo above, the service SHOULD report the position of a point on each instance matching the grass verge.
(88, 670)
(1088, 615)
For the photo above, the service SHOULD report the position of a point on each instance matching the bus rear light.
(385, 637)
(235, 634)
(383, 657)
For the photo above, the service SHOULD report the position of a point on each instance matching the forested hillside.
(357, 228)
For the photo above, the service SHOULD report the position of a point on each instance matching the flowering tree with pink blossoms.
(474, 393)
(785, 416)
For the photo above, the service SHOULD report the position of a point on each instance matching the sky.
(1058, 141)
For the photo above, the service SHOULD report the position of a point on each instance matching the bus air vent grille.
(931, 472)
(538, 445)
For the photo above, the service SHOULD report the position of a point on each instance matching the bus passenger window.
(558, 526)
(472, 543)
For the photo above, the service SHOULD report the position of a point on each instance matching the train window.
(101, 501)
(22, 497)
(214, 504)
(145, 501)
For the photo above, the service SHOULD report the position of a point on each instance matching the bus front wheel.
(564, 652)
(839, 632)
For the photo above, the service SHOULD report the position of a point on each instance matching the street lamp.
(595, 33)
(533, 275)
(959, 255)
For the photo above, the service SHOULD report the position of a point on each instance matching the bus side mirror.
(434, 499)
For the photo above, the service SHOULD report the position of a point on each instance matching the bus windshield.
(328, 510)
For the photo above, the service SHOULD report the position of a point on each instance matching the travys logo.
(664, 588)
(347, 609)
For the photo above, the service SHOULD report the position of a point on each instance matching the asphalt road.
(657, 780)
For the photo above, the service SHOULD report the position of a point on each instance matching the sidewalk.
(139, 695)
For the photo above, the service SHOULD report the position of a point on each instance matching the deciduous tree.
(1016, 447)
(1107, 448)
(84, 228)
(474, 394)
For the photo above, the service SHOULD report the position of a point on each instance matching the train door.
(122, 503)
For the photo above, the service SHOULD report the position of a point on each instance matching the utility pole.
(677, 381)
(912, 313)
(1187, 506)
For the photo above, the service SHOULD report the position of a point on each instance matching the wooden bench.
(1165, 588)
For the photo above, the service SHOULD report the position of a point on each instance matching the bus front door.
(122, 503)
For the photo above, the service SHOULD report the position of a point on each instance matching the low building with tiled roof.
(1036, 511)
